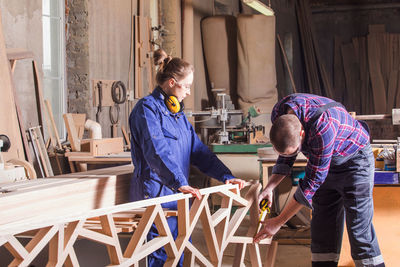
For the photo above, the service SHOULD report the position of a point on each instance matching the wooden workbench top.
(60, 195)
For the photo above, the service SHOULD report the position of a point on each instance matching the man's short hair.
(285, 132)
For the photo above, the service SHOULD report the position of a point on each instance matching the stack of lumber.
(65, 194)
(366, 71)
(317, 79)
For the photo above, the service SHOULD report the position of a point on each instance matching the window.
(54, 59)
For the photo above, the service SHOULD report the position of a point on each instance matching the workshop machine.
(224, 124)
(9, 172)
(386, 152)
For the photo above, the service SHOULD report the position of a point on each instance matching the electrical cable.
(112, 119)
(118, 92)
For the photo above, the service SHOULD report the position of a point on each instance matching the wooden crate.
(102, 147)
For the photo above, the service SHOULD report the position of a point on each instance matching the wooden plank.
(37, 140)
(392, 90)
(39, 94)
(72, 132)
(271, 255)
(138, 82)
(22, 128)
(352, 76)
(126, 136)
(56, 247)
(140, 234)
(398, 94)
(289, 70)
(73, 194)
(34, 246)
(53, 123)
(108, 228)
(163, 230)
(15, 248)
(378, 86)
(18, 53)
(150, 49)
(79, 122)
(8, 124)
(338, 73)
(365, 90)
(188, 38)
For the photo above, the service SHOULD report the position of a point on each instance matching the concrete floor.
(287, 255)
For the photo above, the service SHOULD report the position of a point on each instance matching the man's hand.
(186, 189)
(266, 194)
(270, 227)
(240, 182)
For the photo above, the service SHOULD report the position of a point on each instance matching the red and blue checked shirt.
(334, 134)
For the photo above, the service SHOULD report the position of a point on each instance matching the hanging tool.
(99, 108)
(118, 94)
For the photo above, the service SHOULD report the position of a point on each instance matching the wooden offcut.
(102, 147)
(72, 132)
(377, 81)
(8, 124)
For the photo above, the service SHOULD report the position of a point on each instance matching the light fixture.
(260, 7)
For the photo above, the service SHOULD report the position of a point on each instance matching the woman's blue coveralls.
(163, 146)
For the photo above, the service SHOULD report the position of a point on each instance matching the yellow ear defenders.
(172, 102)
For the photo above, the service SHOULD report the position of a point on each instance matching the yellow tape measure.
(264, 207)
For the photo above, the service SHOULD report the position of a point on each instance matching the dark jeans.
(346, 194)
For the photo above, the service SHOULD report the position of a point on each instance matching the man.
(338, 182)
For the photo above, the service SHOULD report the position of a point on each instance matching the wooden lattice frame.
(219, 231)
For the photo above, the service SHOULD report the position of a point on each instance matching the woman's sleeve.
(146, 127)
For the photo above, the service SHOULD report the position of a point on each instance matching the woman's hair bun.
(161, 58)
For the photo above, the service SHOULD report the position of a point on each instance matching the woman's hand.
(239, 182)
(186, 189)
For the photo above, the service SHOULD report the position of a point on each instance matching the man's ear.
(302, 132)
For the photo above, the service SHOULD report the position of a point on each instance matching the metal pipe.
(209, 113)
(374, 117)
(345, 8)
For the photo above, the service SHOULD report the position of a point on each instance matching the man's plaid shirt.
(334, 134)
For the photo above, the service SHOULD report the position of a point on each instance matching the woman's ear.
(171, 82)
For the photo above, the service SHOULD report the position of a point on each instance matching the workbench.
(78, 161)
(267, 162)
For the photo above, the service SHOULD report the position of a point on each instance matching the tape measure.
(264, 207)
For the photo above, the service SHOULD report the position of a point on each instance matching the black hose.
(120, 96)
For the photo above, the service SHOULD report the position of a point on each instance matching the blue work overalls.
(163, 146)
(346, 194)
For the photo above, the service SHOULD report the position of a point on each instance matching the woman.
(164, 143)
